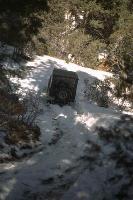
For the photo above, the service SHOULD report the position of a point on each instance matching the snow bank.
(65, 131)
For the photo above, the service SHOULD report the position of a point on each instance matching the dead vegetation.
(19, 133)
(104, 66)
(18, 115)
(18, 118)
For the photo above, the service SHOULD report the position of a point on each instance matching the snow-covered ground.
(65, 130)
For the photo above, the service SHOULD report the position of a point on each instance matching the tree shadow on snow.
(76, 123)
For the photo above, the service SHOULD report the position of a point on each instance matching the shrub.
(31, 103)
(97, 92)
(108, 93)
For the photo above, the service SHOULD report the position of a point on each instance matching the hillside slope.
(49, 173)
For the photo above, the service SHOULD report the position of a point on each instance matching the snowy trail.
(64, 134)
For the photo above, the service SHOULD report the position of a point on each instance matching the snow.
(65, 131)
(96, 187)
(102, 56)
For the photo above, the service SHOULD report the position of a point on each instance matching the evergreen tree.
(20, 21)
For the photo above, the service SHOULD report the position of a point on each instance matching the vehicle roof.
(65, 73)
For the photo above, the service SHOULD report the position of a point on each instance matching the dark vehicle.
(62, 86)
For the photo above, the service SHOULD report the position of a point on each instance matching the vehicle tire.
(63, 95)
